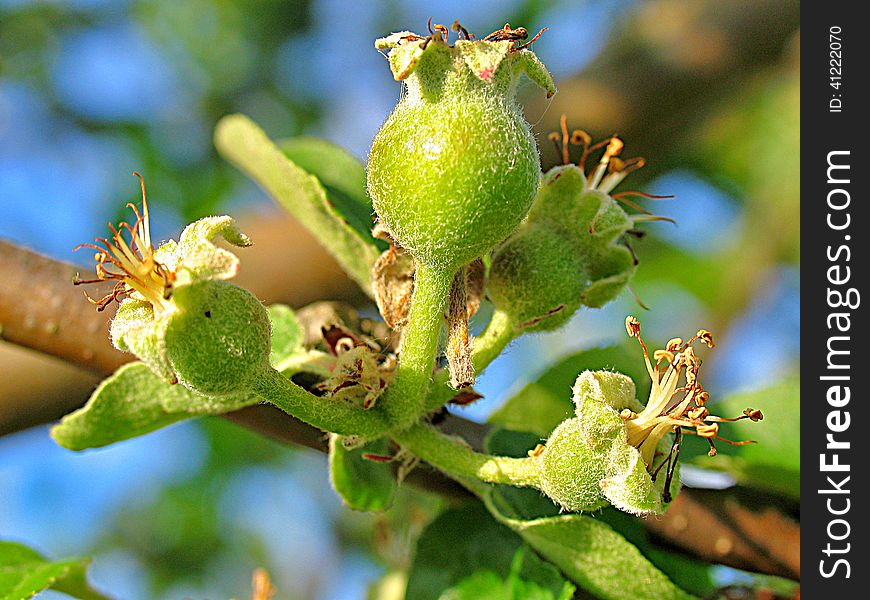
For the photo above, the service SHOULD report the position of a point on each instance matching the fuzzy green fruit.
(219, 337)
(537, 278)
(454, 169)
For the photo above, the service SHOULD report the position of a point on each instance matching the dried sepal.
(459, 342)
(393, 284)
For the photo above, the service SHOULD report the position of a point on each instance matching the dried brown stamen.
(131, 263)
(462, 31)
(675, 408)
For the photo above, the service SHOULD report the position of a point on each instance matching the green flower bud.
(218, 338)
(596, 225)
(454, 168)
(161, 289)
(588, 462)
(537, 278)
(619, 452)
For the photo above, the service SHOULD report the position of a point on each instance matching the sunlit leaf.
(340, 173)
(242, 142)
(24, 573)
(592, 554)
(132, 402)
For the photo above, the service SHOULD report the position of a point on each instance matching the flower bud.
(588, 463)
(537, 278)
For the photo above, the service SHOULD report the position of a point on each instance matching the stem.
(458, 460)
(498, 334)
(328, 414)
(404, 398)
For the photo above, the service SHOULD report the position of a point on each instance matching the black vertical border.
(824, 131)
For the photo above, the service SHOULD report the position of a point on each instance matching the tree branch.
(41, 310)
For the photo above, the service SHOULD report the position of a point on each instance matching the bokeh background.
(90, 90)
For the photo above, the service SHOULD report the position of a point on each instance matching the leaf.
(540, 406)
(287, 335)
(24, 573)
(530, 578)
(341, 174)
(773, 463)
(457, 544)
(595, 556)
(243, 143)
(132, 402)
(363, 484)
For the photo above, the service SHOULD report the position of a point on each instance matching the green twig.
(404, 398)
(458, 460)
(328, 414)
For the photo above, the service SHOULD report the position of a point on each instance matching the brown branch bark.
(41, 310)
(700, 523)
(730, 528)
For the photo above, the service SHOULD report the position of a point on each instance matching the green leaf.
(457, 544)
(132, 402)
(593, 555)
(341, 174)
(24, 573)
(773, 463)
(363, 484)
(540, 406)
(530, 578)
(287, 336)
(243, 143)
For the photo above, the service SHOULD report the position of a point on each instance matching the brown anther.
(753, 414)
(537, 450)
(616, 165)
(633, 164)
(698, 413)
(627, 414)
(614, 147)
(508, 34)
(674, 344)
(632, 326)
(531, 41)
(462, 31)
(580, 138)
(706, 337)
(701, 398)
